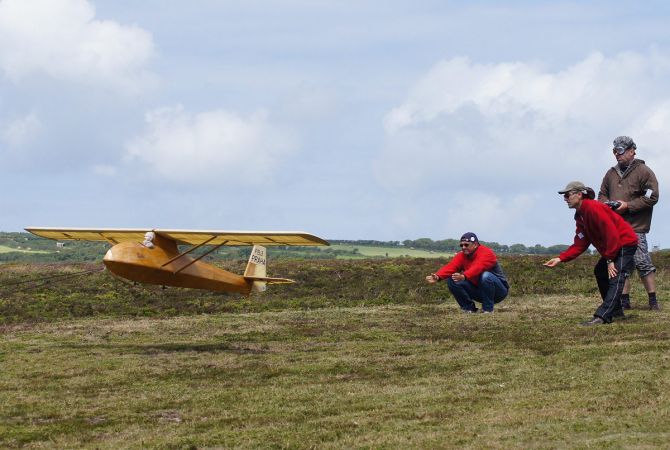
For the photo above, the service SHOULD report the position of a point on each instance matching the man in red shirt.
(473, 274)
(614, 239)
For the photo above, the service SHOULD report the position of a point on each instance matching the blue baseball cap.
(469, 237)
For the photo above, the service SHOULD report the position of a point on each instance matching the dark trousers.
(489, 290)
(611, 288)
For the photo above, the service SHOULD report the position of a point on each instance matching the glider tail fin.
(256, 270)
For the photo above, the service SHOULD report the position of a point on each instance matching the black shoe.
(594, 321)
(625, 304)
(653, 305)
(618, 314)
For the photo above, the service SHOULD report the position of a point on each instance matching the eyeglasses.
(568, 194)
(619, 150)
(465, 244)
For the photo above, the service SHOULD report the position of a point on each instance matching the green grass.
(366, 251)
(419, 376)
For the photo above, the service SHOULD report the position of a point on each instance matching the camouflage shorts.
(642, 259)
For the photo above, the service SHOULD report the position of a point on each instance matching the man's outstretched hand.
(553, 262)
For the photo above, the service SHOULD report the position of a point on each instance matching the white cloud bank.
(62, 38)
(514, 124)
(211, 146)
(491, 143)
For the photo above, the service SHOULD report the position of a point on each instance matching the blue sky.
(351, 120)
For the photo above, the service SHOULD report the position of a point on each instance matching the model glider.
(152, 255)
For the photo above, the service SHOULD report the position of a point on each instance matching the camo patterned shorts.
(642, 259)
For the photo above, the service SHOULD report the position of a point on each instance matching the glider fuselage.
(162, 265)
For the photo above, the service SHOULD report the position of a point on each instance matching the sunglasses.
(465, 244)
(568, 194)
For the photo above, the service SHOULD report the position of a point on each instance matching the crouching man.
(473, 274)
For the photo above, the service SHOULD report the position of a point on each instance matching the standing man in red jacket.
(473, 274)
(614, 239)
(631, 189)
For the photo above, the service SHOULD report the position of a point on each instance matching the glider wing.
(192, 237)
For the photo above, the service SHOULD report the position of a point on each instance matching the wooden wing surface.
(192, 237)
(112, 235)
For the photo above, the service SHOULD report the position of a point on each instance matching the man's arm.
(604, 193)
(649, 189)
(455, 265)
(579, 246)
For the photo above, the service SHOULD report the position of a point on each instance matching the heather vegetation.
(50, 291)
(357, 354)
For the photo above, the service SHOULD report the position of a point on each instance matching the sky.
(385, 120)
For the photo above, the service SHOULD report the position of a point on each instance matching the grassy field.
(5, 249)
(359, 355)
(366, 251)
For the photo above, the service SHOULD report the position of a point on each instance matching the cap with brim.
(623, 143)
(573, 186)
(469, 237)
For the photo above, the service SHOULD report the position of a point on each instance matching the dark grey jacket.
(638, 187)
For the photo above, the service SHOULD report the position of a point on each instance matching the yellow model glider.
(152, 256)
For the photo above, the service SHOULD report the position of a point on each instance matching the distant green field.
(5, 249)
(392, 252)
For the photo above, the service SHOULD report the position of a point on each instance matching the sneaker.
(487, 312)
(594, 321)
(625, 304)
(653, 305)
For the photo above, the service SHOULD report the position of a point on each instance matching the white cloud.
(497, 210)
(21, 131)
(210, 146)
(62, 39)
(517, 126)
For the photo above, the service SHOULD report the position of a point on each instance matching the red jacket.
(472, 266)
(597, 224)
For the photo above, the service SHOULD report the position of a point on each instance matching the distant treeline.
(25, 247)
(451, 245)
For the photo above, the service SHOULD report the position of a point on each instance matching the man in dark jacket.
(631, 189)
(614, 239)
(473, 274)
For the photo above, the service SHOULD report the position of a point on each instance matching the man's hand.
(622, 208)
(553, 262)
(432, 278)
(458, 277)
(611, 269)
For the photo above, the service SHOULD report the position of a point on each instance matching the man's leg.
(625, 296)
(646, 270)
(463, 293)
(490, 291)
(602, 277)
(611, 305)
